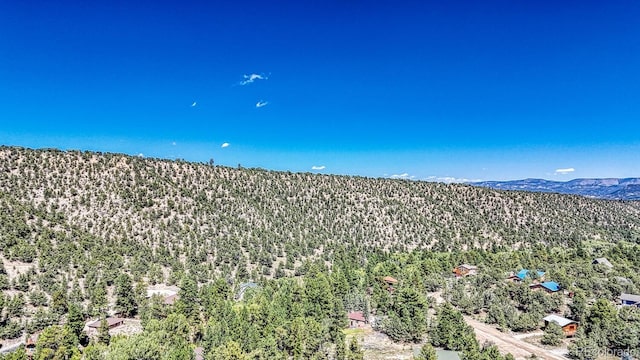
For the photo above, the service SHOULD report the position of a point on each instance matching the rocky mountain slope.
(613, 189)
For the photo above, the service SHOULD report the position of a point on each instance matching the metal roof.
(551, 285)
(562, 321)
(524, 272)
(630, 297)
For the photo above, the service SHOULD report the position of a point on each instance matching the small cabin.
(169, 295)
(549, 287)
(171, 299)
(524, 273)
(465, 270)
(630, 300)
(112, 322)
(569, 327)
(356, 319)
(389, 280)
(390, 283)
(602, 261)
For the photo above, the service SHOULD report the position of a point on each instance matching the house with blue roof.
(549, 286)
(524, 273)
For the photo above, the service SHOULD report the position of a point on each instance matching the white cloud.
(194, 104)
(564, 171)
(405, 176)
(450, 179)
(315, 167)
(141, 155)
(224, 145)
(261, 103)
(248, 79)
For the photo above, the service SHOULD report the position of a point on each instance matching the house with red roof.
(356, 319)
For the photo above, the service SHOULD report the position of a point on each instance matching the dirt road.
(507, 343)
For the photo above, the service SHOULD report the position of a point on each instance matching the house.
(389, 280)
(465, 269)
(569, 327)
(548, 286)
(169, 295)
(171, 299)
(602, 261)
(356, 319)
(630, 300)
(112, 322)
(524, 273)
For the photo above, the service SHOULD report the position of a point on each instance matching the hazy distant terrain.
(613, 189)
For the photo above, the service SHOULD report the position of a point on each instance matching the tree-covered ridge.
(271, 217)
(82, 233)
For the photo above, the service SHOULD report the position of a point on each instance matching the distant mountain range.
(612, 189)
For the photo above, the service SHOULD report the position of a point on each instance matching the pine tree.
(75, 322)
(355, 352)
(427, 352)
(553, 334)
(125, 296)
(188, 302)
(341, 348)
(103, 332)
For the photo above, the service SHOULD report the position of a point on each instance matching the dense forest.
(83, 235)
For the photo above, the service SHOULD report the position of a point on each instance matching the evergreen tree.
(188, 302)
(583, 348)
(553, 334)
(125, 296)
(57, 342)
(98, 299)
(451, 332)
(341, 349)
(75, 321)
(103, 332)
(59, 302)
(407, 319)
(578, 306)
(427, 352)
(355, 352)
(229, 351)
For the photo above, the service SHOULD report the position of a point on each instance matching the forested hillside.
(84, 235)
(266, 219)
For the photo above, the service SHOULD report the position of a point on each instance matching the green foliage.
(451, 332)
(354, 352)
(188, 302)
(229, 351)
(584, 347)
(553, 334)
(57, 342)
(427, 352)
(96, 223)
(19, 354)
(103, 332)
(125, 297)
(407, 319)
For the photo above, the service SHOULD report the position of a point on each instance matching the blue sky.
(441, 90)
